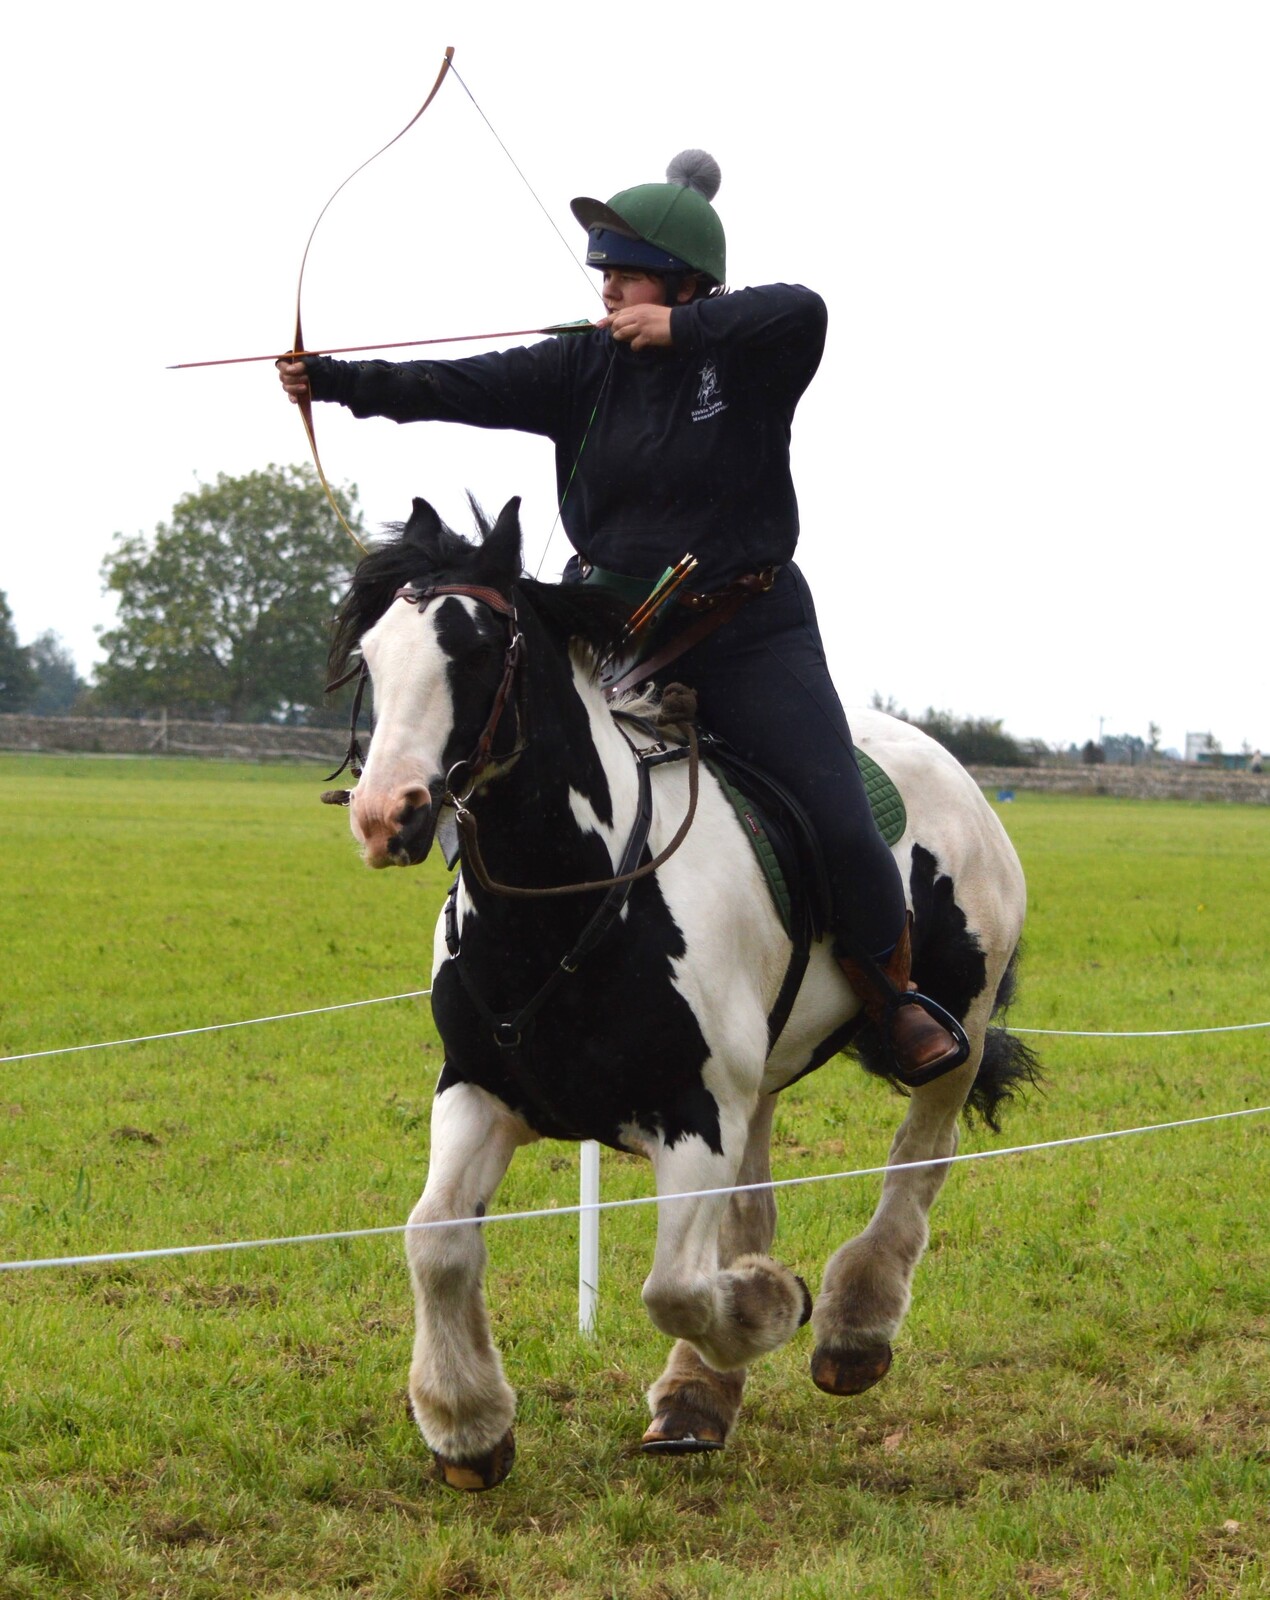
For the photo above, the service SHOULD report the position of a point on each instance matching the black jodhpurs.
(763, 685)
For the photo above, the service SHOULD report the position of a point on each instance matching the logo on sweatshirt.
(709, 401)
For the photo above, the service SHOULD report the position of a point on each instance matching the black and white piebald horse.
(637, 1015)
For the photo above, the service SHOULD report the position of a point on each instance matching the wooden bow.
(299, 349)
(298, 345)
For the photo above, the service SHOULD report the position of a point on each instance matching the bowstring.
(604, 382)
(521, 175)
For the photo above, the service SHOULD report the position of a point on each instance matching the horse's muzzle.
(413, 840)
(394, 828)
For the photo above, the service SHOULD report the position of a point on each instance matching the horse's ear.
(500, 554)
(424, 527)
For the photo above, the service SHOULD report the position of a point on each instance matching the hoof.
(486, 1472)
(849, 1371)
(681, 1433)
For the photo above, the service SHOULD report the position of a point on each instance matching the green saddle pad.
(884, 799)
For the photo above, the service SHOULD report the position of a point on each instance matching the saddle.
(781, 835)
(785, 846)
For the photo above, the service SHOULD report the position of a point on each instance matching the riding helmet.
(660, 227)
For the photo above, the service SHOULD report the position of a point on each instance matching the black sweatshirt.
(676, 450)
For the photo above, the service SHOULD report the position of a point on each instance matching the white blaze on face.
(414, 717)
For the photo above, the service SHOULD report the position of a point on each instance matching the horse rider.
(671, 424)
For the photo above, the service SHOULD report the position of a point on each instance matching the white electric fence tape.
(215, 1027)
(621, 1205)
(422, 994)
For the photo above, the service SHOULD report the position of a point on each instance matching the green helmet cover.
(675, 218)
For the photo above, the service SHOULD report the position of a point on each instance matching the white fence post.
(588, 1236)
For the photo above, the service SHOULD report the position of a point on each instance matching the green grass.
(1079, 1405)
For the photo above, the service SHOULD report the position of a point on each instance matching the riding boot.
(922, 1046)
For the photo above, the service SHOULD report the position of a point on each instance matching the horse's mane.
(579, 614)
(425, 552)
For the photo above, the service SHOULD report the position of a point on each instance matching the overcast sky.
(1033, 467)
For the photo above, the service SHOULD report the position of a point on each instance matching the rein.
(508, 1028)
(658, 753)
(511, 1029)
(650, 756)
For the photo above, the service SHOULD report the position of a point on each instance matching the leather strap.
(627, 872)
(713, 611)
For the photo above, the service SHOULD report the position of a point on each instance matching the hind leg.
(867, 1283)
(693, 1404)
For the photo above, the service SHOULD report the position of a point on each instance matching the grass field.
(1080, 1404)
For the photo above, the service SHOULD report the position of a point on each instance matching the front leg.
(461, 1401)
(729, 1313)
(694, 1406)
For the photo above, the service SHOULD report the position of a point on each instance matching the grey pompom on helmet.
(661, 227)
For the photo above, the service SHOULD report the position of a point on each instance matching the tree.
(57, 683)
(1123, 749)
(17, 679)
(978, 741)
(225, 611)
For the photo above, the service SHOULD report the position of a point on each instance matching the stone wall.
(230, 741)
(1171, 780)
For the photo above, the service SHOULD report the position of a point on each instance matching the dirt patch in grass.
(130, 1135)
(1238, 1428)
(178, 1530)
(1225, 1561)
(465, 1578)
(1024, 1460)
(221, 1296)
(947, 1484)
(1036, 1579)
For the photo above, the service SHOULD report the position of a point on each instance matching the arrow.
(579, 326)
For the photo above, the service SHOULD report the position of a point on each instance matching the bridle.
(483, 751)
(465, 775)
(482, 755)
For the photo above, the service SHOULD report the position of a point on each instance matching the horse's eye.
(482, 654)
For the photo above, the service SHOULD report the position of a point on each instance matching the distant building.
(1199, 745)
(1204, 751)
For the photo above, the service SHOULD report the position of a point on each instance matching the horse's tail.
(1009, 1066)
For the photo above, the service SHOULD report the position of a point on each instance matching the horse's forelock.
(418, 553)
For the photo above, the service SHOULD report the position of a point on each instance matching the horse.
(598, 976)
